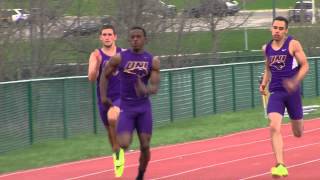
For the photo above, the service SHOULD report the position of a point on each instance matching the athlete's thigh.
(126, 121)
(114, 112)
(103, 114)
(276, 103)
(294, 106)
(144, 121)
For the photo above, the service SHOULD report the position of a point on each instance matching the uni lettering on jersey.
(278, 61)
(139, 68)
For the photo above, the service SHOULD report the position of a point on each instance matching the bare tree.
(215, 16)
(309, 37)
(147, 13)
(46, 18)
(208, 16)
(29, 44)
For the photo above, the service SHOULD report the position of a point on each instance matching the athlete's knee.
(124, 146)
(298, 133)
(274, 127)
(145, 152)
(145, 148)
(113, 115)
(124, 143)
(275, 122)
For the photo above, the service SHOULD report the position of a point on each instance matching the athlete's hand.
(106, 101)
(262, 89)
(290, 85)
(141, 88)
(97, 54)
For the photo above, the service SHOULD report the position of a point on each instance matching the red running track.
(243, 155)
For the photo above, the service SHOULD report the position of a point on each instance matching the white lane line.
(133, 152)
(156, 148)
(294, 165)
(191, 154)
(235, 160)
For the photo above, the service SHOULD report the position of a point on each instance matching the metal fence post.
(193, 94)
(64, 111)
(30, 104)
(317, 76)
(170, 95)
(214, 103)
(94, 107)
(252, 86)
(233, 88)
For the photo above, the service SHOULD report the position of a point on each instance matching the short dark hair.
(281, 18)
(108, 26)
(139, 28)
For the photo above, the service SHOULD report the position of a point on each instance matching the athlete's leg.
(275, 120)
(277, 144)
(275, 114)
(110, 118)
(118, 155)
(124, 137)
(125, 127)
(145, 155)
(114, 112)
(294, 107)
(113, 116)
(144, 129)
(276, 107)
(109, 128)
(297, 127)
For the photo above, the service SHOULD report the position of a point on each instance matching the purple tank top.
(113, 84)
(282, 65)
(133, 65)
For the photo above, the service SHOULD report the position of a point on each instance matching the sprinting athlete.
(286, 65)
(109, 114)
(139, 77)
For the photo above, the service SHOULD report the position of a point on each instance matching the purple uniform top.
(113, 84)
(133, 65)
(135, 111)
(282, 65)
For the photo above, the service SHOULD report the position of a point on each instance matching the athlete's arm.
(94, 63)
(154, 80)
(296, 50)
(155, 76)
(107, 71)
(302, 60)
(266, 74)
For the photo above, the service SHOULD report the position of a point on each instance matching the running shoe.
(279, 170)
(118, 162)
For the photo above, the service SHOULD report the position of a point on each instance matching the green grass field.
(89, 146)
(89, 7)
(249, 4)
(267, 4)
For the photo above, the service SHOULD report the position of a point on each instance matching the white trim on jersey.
(294, 63)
